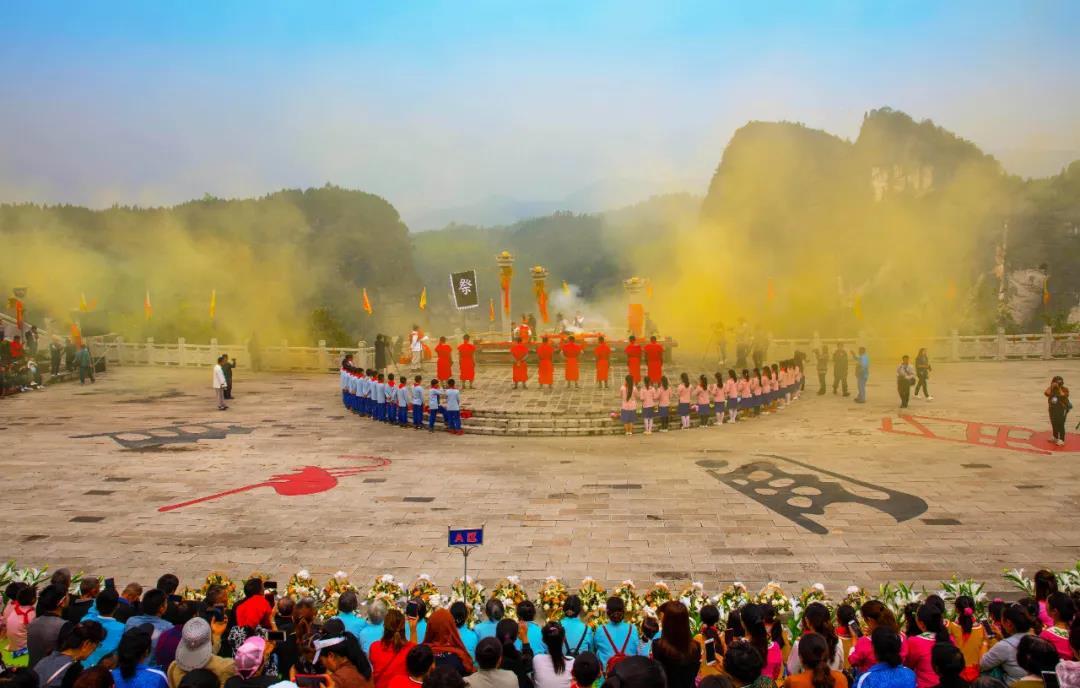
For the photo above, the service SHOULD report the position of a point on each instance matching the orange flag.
(491, 310)
(366, 302)
(76, 335)
(148, 309)
(1046, 291)
(770, 291)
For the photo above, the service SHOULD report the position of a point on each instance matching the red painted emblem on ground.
(306, 480)
(996, 435)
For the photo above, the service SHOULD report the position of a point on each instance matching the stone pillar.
(361, 355)
(181, 343)
(214, 353)
(954, 345)
(149, 351)
(324, 357)
(815, 342)
(1047, 343)
(1000, 353)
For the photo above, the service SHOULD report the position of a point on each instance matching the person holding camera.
(1057, 396)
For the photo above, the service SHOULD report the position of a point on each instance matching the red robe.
(546, 369)
(466, 362)
(603, 361)
(654, 361)
(572, 351)
(521, 368)
(633, 361)
(444, 370)
(524, 332)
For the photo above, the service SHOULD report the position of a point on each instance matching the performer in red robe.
(603, 362)
(523, 330)
(633, 359)
(466, 361)
(571, 350)
(444, 369)
(654, 360)
(521, 369)
(545, 352)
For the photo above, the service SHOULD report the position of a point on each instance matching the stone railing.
(955, 347)
(182, 354)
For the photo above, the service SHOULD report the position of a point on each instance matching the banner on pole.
(463, 284)
(466, 536)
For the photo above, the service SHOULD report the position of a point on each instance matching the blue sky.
(443, 104)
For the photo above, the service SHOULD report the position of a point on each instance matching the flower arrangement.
(855, 596)
(773, 594)
(733, 597)
(627, 591)
(301, 585)
(1069, 580)
(1020, 581)
(815, 593)
(387, 589)
(509, 590)
(954, 587)
(694, 597)
(551, 596)
(423, 588)
(9, 573)
(471, 593)
(213, 578)
(336, 585)
(593, 597)
(655, 597)
(897, 596)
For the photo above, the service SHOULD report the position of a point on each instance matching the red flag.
(18, 315)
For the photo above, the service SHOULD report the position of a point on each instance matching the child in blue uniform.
(453, 408)
(402, 403)
(378, 395)
(416, 398)
(434, 404)
(390, 397)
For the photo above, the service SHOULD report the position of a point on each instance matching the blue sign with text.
(467, 536)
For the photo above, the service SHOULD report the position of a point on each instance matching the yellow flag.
(565, 287)
(423, 298)
(213, 303)
(82, 303)
(856, 307)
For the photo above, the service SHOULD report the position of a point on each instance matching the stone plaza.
(140, 474)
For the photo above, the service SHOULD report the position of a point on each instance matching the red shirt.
(254, 611)
(16, 349)
(387, 668)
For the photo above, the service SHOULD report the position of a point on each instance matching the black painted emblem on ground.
(418, 499)
(179, 433)
(87, 519)
(975, 465)
(940, 521)
(98, 493)
(798, 495)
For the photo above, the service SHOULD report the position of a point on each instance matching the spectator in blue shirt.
(102, 612)
(579, 637)
(889, 671)
(134, 649)
(154, 603)
(494, 611)
(526, 612)
(862, 374)
(347, 604)
(373, 631)
(616, 636)
(460, 611)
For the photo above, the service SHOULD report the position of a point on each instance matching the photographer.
(1057, 395)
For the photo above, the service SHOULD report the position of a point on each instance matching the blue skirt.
(648, 411)
(684, 408)
(627, 416)
(665, 411)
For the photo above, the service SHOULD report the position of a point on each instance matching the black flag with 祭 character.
(463, 284)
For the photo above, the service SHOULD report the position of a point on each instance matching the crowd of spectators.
(21, 366)
(102, 637)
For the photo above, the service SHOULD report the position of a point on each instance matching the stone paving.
(88, 469)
